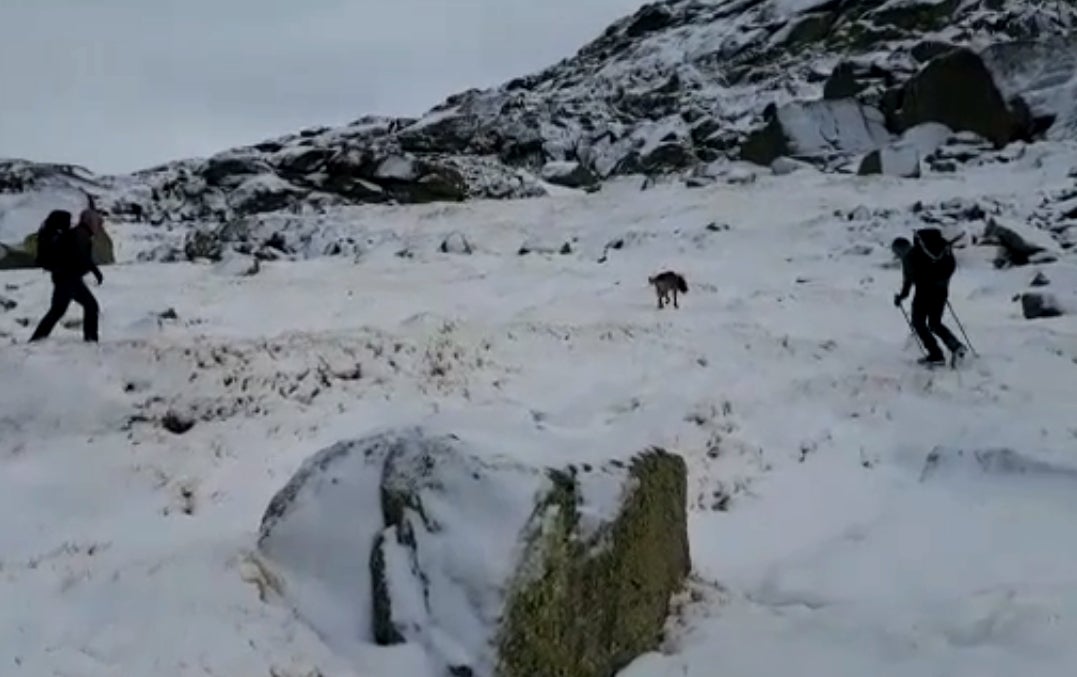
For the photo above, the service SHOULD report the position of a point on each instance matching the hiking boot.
(932, 360)
(958, 355)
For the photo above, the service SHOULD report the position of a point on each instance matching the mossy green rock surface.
(596, 602)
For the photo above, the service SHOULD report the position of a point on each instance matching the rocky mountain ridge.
(672, 89)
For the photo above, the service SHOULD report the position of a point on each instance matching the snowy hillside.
(673, 89)
(850, 512)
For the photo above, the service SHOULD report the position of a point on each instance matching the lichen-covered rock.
(593, 604)
(495, 568)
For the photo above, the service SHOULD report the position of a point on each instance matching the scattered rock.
(176, 422)
(1019, 245)
(238, 265)
(784, 165)
(163, 253)
(809, 28)
(1037, 304)
(926, 50)
(455, 243)
(915, 15)
(842, 83)
(668, 156)
(264, 193)
(1040, 280)
(229, 170)
(699, 181)
(532, 246)
(8, 304)
(202, 243)
(739, 176)
(168, 314)
(568, 174)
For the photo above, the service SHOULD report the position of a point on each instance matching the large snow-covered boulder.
(1043, 73)
(902, 158)
(958, 90)
(817, 128)
(492, 566)
(899, 159)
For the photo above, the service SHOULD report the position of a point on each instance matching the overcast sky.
(119, 85)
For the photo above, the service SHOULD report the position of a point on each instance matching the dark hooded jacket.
(929, 263)
(74, 253)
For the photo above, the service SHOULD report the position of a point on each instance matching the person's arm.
(86, 250)
(906, 278)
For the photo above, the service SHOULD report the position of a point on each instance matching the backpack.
(48, 239)
(936, 255)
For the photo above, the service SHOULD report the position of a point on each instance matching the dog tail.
(682, 285)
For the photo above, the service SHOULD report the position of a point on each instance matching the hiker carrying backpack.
(67, 253)
(928, 263)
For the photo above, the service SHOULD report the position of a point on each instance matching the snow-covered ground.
(786, 379)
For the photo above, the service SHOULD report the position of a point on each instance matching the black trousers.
(927, 310)
(66, 289)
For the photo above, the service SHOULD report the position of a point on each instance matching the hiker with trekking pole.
(928, 263)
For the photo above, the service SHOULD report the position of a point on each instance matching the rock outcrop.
(816, 129)
(956, 89)
(1018, 245)
(493, 567)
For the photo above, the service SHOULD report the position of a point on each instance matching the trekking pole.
(912, 329)
(962, 328)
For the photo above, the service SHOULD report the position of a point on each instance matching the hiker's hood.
(932, 241)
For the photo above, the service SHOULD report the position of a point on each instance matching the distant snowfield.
(786, 379)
